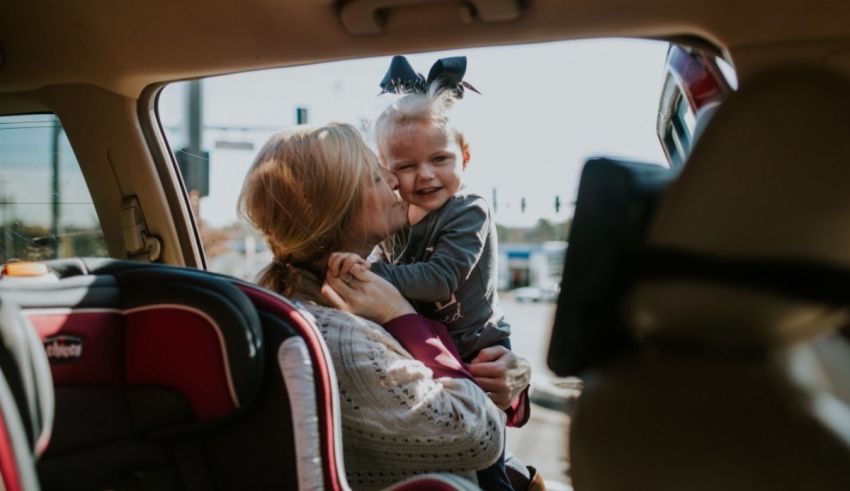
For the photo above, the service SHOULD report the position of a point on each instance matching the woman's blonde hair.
(432, 108)
(302, 190)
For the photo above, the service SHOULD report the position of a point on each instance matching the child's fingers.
(334, 262)
(349, 262)
(360, 272)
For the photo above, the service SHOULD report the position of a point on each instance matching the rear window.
(46, 210)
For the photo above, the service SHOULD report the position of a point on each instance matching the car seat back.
(745, 261)
(173, 379)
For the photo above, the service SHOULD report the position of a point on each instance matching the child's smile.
(428, 165)
(427, 191)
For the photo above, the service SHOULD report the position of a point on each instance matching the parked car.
(723, 366)
(535, 294)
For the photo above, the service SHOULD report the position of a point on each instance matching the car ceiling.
(128, 45)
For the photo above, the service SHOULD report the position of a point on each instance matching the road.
(543, 441)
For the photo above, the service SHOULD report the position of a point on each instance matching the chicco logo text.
(61, 349)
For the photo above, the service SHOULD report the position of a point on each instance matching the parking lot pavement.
(542, 442)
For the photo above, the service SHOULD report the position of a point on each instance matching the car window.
(543, 110)
(46, 210)
(695, 83)
(530, 132)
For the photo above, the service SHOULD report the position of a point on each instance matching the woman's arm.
(397, 416)
(429, 342)
(501, 373)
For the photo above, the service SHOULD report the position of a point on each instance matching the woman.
(313, 191)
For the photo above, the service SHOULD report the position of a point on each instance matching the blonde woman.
(316, 190)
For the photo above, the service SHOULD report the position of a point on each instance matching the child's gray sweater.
(448, 269)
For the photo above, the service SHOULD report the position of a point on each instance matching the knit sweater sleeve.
(398, 419)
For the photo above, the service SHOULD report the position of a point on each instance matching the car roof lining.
(126, 46)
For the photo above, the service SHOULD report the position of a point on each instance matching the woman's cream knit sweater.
(397, 420)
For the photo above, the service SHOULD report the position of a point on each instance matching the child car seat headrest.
(146, 326)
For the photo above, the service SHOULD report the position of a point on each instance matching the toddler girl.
(447, 263)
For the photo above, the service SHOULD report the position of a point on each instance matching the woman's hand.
(501, 373)
(366, 294)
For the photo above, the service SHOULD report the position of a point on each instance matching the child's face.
(427, 163)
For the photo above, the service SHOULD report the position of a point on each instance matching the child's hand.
(340, 264)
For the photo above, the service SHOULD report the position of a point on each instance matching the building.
(525, 264)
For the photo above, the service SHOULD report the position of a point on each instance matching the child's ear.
(466, 157)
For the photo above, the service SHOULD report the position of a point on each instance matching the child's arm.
(457, 250)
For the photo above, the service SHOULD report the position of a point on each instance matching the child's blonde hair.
(432, 108)
(302, 190)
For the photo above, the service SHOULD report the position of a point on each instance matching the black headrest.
(615, 199)
(145, 325)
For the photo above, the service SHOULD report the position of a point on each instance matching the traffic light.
(300, 115)
(522, 204)
(557, 203)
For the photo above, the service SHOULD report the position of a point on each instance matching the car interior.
(702, 304)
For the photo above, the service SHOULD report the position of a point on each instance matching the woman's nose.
(392, 180)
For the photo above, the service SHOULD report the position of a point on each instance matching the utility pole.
(193, 160)
(54, 188)
(8, 241)
(495, 202)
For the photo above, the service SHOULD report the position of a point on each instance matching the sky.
(544, 109)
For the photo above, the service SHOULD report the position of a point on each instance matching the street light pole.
(54, 189)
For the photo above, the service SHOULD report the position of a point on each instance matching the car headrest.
(136, 325)
(751, 244)
(614, 202)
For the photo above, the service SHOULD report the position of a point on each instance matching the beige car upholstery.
(737, 387)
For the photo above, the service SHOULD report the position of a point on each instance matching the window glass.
(46, 211)
(686, 114)
(728, 72)
(543, 111)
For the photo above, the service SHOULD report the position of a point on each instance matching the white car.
(535, 294)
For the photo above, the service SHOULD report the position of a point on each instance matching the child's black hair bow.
(446, 74)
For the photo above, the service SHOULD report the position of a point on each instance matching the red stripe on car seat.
(324, 396)
(102, 334)
(180, 348)
(8, 466)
